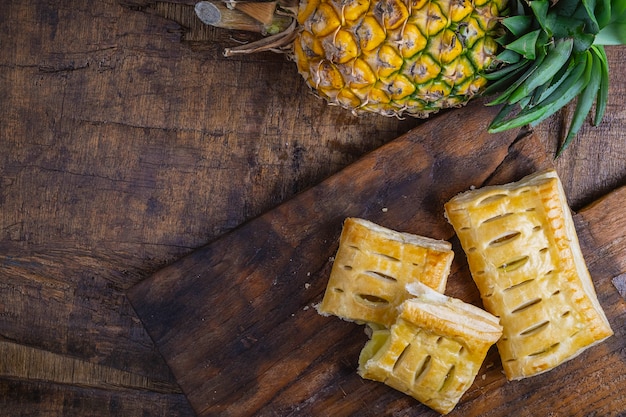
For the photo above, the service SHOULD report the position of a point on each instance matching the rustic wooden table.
(127, 142)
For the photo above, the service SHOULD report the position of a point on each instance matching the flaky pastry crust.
(434, 350)
(372, 267)
(524, 255)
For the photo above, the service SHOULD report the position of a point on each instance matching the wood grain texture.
(122, 151)
(128, 141)
(236, 320)
(31, 397)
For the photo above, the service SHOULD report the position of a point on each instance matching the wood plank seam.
(29, 363)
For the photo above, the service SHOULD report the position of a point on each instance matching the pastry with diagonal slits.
(434, 350)
(372, 267)
(523, 254)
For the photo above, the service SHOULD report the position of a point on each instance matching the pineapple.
(394, 57)
(416, 57)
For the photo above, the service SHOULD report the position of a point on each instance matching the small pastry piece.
(433, 351)
(372, 267)
(523, 254)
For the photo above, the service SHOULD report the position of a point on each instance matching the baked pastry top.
(372, 266)
(523, 254)
(433, 351)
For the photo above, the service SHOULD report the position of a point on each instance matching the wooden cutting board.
(236, 322)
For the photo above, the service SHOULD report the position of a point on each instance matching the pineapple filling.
(373, 347)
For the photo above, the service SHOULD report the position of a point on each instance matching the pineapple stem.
(218, 14)
(266, 18)
(280, 43)
(252, 17)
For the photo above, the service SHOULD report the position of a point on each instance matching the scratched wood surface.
(128, 141)
(236, 319)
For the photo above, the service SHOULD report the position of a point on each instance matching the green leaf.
(540, 93)
(583, 41)
(525, 102)
(504, 97)
(506, 81)
(505, 70)
(585, 99)
(518, 25)
(503, 40)
(557, 56)
(566, 7)
(540, 10)
(526, 44)
(566, 92)
(558, 78)
(585, 13)
(509, 57)
(612, 23)
(564, 26)
(618, 11)
(568, 27)
(612, 34)
(518, 8)
(603, 94)
(603, 12)
(504, 112)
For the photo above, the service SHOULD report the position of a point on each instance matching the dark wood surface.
(236, 320)
(128, 142)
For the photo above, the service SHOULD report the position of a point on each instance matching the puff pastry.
(433, 351)
(523, 254)
(372, 267)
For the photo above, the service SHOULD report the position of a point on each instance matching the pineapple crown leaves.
(553, 54)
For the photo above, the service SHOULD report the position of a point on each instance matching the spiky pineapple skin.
(397, 57)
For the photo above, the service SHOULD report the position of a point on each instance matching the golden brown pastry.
(524, 255)
(433, 351)
(372, 267)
